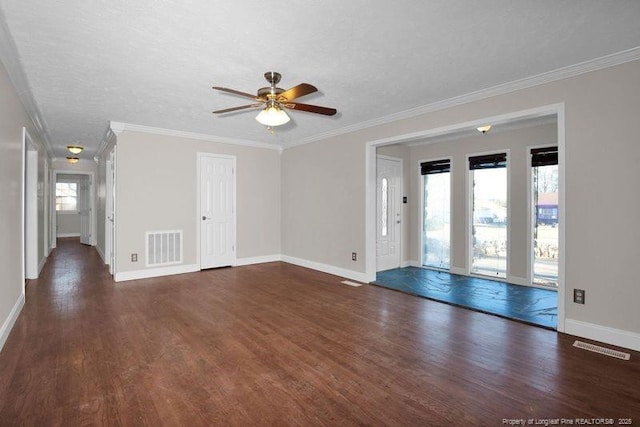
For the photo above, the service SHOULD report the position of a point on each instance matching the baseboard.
(258, 260)
(100, 253)
(326, 268)
(522, 281)
(155, 272)
(414, 263)
(605, 334)
(68, 235)
(11, 320)
(458, 270)
(43, 261)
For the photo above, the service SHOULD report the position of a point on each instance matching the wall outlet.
(134, 257)
(578, 296)
(353, 256)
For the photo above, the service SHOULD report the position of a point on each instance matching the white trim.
(92, 203)
(43, 261)
(515, 280)
(11, 320)
(607, 61)
(414, 263)
(155, 272)
(257, 260)
(67, 234)
(605, 334)
(325, 268)
(30, 206)
(405, 264)
(192, 135)
(420, 209)
(100, 253)
(457, 270)
(561, 219)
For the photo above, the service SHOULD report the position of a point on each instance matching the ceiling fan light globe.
(272, 116)
(75, 149)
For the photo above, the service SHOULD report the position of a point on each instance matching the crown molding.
(607, 61)
(9, 57)
(119, 127)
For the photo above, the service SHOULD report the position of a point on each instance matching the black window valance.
(437, 166)
(489, 161)
(544, 156)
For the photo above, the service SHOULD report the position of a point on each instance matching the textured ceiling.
(153, 63)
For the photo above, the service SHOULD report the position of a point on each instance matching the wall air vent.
(163, 248)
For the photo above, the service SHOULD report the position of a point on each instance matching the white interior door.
(109, 213)
(84, 209)
(388, 219)
(217, 211)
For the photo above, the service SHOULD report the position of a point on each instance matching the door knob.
(204, 218)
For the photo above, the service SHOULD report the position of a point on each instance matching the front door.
(388, 210)
(217, 211)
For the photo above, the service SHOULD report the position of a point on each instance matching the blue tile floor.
(526, 304)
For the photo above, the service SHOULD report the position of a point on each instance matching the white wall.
(323, 188)
(12, 120)
(156, 190)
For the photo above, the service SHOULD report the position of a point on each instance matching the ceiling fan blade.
(311, 108)
(297, 91)
(235, 92)
(243, 107)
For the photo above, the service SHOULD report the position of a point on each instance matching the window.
(489, 215)
(436, 250)
(385, 207)
(66, 196)
(544, 174)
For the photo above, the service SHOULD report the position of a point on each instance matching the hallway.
(279, 344)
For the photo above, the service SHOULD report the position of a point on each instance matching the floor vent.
(350, 283)
(163, 247)
(602, 350)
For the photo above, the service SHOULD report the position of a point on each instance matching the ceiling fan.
(275, 100)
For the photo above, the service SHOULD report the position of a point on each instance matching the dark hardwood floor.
(276, 344)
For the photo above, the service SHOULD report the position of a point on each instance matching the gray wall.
(323, 187)
(12, 120)
(164, 196)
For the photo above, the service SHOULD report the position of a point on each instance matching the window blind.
(544, 156)
(489, 161)
(437, 166)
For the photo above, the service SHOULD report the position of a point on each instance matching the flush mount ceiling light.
(72, 160)
(274, 100)
(484, 129)
(272, 115)
(75, 149)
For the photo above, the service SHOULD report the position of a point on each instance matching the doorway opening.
(509, 261)
(74, 206)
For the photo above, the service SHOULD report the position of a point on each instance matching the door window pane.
(437, 217)
(489, 224)
(384, 214)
